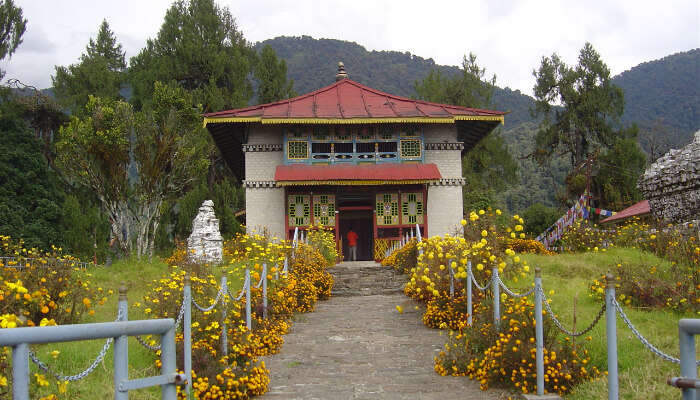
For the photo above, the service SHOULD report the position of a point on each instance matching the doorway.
(359, 219)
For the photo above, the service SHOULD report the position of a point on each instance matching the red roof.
(356, 174)
(347, 99)
(640, 208)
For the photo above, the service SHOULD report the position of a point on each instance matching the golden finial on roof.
(341, 72)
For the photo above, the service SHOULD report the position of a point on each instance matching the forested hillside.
(663, 98)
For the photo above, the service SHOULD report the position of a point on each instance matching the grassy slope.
(76, 356)
(642, 374)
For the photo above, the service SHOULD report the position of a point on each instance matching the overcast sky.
(508, 36)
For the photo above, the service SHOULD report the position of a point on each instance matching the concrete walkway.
(360, 347)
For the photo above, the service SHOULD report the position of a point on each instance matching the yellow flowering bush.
(678, 244)
(528, 246)
(323, 239)
(240, 374)
(653, 286)
(490, 356)
(506, 357)
(41, 288)
(403, 259)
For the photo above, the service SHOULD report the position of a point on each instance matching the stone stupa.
(672, 184)
(205, 244)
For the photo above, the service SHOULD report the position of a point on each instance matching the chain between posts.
(513, 294)
(243, 289)
(486, 285)
(644, 341)
(145, 344)
(559, 324)
(72, 378)
(219, 294)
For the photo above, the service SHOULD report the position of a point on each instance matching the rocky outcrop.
(672, 184)
(205, 244)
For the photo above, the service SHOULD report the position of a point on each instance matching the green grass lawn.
(74, 357)
(642, 375)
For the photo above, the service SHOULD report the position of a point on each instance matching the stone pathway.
(360, 347)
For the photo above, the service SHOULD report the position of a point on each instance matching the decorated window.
(297, 150)
(324, 209)
(410, 148)
(299, 211)
(387, 209)
(411, 208)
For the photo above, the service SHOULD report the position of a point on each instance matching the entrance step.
(365, 278)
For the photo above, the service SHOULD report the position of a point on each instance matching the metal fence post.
(539, 332)
(264, 288)
(121, 349)
(20, 371)
(611, 331)
(686, 336)
(224, 312)
(187, 334)
(496, 298)
(247, 299)
(452, 279)
(469, 292)
(167, 359)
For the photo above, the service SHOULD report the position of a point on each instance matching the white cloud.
(508, 36)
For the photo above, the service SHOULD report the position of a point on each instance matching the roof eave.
(320, 121)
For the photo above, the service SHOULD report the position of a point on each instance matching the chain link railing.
(72, 378)
(246, 283)
(145, 344)
(561, 327)
(642, 339)
(219, 295)
(476, 284)
(511, 293)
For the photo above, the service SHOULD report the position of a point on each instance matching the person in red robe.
(352, 245)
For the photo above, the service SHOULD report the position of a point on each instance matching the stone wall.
(672, 184)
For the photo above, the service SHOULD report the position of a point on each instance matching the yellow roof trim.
(355, 182)
(214, 120)
(424, 120)
(499, 118)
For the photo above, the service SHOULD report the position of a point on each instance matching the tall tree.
(469, 88)
(30, 199)
(620, 168)
(579, 106)
(199, 48)
(100, 72)
(489, 167)
(271, 76)
(134, 161)
(12, 27)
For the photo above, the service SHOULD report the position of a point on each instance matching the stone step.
(365, 278)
